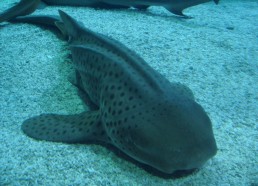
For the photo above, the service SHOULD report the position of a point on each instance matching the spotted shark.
(25, 7)
(132, 106)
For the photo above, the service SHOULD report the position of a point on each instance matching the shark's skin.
(133, 107)
(25, 7)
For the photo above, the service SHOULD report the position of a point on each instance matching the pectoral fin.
(76, 128)
(177, 11)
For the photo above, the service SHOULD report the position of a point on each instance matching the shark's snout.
(180, 141)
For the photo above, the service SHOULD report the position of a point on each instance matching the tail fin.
(45, 20)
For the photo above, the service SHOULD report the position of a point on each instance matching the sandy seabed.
(215, 54)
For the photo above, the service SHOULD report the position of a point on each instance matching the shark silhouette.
(25, 7)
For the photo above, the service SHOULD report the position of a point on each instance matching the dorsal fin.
(68, 25)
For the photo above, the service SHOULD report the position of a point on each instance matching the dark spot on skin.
(112, 96)
(102, 133)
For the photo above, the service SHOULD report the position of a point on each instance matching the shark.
(25, 7)
(132, 107)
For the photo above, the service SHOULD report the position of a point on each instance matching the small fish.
(132, 107)
(25, 7)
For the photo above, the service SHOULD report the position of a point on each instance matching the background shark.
(25, 7)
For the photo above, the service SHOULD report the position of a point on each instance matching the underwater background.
(215, 54)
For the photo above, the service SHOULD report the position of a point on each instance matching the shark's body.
(133, 107)
(25, 7)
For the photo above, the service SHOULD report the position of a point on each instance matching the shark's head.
(177, 136)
